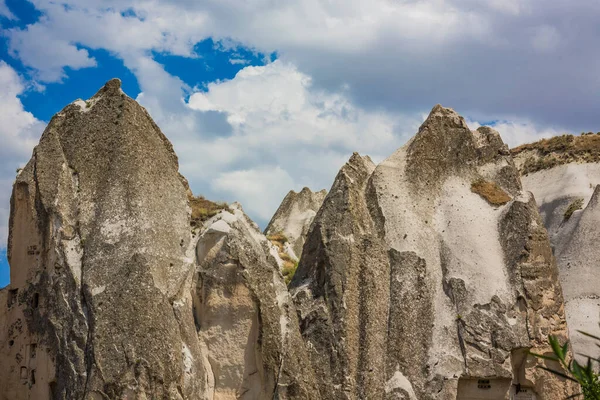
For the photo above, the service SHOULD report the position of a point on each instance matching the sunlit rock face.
(108, 298)
(566, 189)
(246, 318)
(428, 276)
(294, 217)
(415, 284)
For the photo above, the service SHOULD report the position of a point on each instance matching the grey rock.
(246, 318)
(108, 299)
(294, 216)
(574, 241)
(413, 286)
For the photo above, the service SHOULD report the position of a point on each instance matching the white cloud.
(271, 120)
(5, 11)
(262, 188)
(37, 47)
(19, 132)
(515, 133)
(400, 55)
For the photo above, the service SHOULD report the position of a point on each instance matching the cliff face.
(567, 194)
(430, 275)
(109, 297)
(246, 319)
(98, 247)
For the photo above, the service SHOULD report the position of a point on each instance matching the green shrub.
(584, 375)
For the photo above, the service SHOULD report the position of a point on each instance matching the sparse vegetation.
(88, 104)
(279, 239)
(584, 375)
(490, 191)
(548, 153)
(577, 204)
(203, 209)
(289, 264)
(289, 269)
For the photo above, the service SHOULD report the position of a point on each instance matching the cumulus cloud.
(252, 185)
(282, 134)
(505, 57)
(19, 132)
(352, 75)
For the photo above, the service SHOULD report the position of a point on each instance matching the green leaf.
(556, 347)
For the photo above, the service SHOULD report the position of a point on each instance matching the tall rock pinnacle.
(98, 247)
(109, 297)
(430, 275)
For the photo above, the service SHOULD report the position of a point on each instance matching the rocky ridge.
(409, 240)
(428, 276)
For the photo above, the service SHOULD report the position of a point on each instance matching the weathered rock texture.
(567, 196)
(107, 299)
(246, 318)
(294, 216)
(412, 286)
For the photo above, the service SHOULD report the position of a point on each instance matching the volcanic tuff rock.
(411, 285)
(109, 297)
(567, 195)
(245, 316)
(294, 216)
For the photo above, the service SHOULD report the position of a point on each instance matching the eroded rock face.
(100, 253)
(117, 293)
(245, 316)
(410, 285)
(294, 216)
(413, 286)
(567, 196)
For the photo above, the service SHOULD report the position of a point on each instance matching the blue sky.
(262, 97)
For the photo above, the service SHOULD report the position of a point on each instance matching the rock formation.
(565, 185)
(430, 275)
(294, 216)
(246, 319)
(426, 277)
(109, 297)
(289, 226)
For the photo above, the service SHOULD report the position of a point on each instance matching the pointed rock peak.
(448, 116)
(361, 162)
(307, 192)
(443, 146)
(111, 87)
